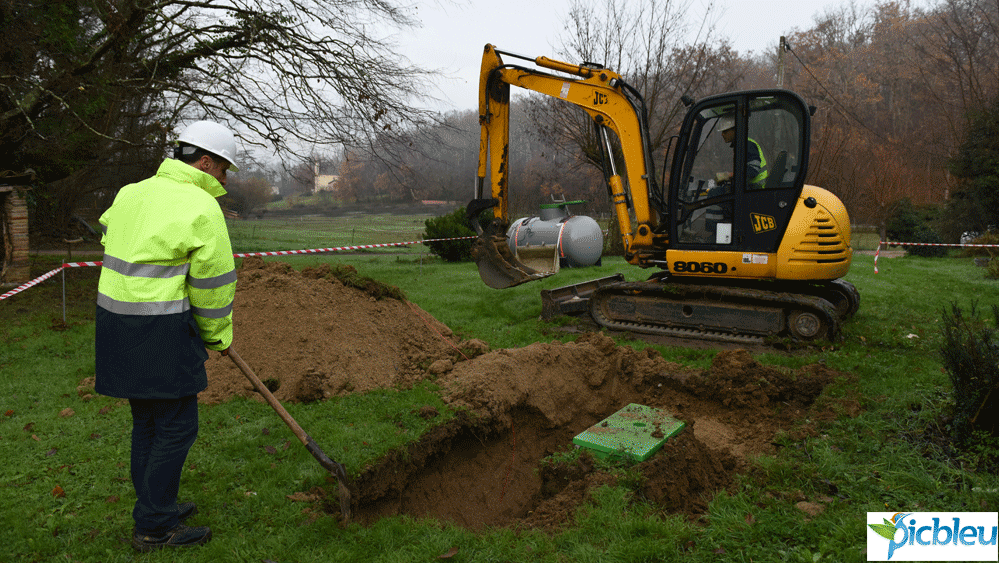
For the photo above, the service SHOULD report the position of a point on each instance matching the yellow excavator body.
(816, 246)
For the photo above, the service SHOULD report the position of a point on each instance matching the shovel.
(335, 469)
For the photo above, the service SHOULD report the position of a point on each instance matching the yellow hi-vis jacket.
(756, 163)
(167, 285)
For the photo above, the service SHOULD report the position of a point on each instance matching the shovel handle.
(332, 466)
(269, 397)
(335, 469)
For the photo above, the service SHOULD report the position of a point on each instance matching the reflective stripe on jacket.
(168, 271)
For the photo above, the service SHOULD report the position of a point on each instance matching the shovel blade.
(338, 472)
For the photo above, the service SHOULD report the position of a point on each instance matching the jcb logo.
(600, 99)
(762, 223)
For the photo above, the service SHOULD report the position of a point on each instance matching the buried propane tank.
(556, 239)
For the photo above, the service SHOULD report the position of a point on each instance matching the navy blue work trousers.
(163, 430)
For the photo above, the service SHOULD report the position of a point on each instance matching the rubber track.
(683, 292)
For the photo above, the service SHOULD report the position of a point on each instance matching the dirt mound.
(320, 333)
(309, 335)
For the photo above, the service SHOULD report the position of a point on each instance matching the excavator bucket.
(543, 259)
(498, 268)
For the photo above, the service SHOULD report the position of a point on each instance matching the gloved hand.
(721, 177)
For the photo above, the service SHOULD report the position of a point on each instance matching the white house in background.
(323, 182)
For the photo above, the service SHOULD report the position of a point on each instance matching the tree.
(648, 43)
(439, 161)
(91, 92)
(435, 162)
(892, 84)
(956, 44)
(839, 71)
(451, 226)
(969, 353)
(351, 183)
(973, 205)
(301, 178)
(247, 195)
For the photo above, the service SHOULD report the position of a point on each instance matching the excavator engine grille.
(822, 242)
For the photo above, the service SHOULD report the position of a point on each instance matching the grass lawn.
(67, 495)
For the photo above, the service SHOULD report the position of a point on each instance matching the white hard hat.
(212, 137)
(726, 123)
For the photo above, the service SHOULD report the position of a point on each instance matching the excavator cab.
(739, 168)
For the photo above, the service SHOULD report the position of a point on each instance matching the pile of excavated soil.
(311, 337)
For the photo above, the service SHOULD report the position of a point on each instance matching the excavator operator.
(756, 163)
(756, 175)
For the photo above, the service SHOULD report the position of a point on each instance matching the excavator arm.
(613, 105)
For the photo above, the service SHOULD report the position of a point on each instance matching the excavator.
(744, 250)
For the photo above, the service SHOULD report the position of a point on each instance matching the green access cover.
(636, 431)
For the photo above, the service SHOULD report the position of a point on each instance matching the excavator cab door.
(738, 171)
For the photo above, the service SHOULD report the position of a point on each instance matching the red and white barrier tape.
(887, 243)
(938, 244)
(342, 248)
(35, 281)
(48, 275)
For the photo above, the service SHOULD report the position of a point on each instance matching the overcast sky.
(453, 35)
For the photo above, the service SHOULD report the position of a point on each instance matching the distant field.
(299, 233)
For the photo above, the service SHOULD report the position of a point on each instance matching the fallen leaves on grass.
(811, 509)
(301, 496)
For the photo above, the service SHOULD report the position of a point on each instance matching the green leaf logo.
(887, 530)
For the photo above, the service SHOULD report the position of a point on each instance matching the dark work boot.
(178, 536)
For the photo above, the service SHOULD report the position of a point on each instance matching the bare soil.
(316, 337)
(311, 337)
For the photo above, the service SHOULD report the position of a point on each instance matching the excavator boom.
(598, 91)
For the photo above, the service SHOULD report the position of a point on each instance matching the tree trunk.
(613, 245)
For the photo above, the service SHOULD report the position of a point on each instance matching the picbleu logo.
(933, 536)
